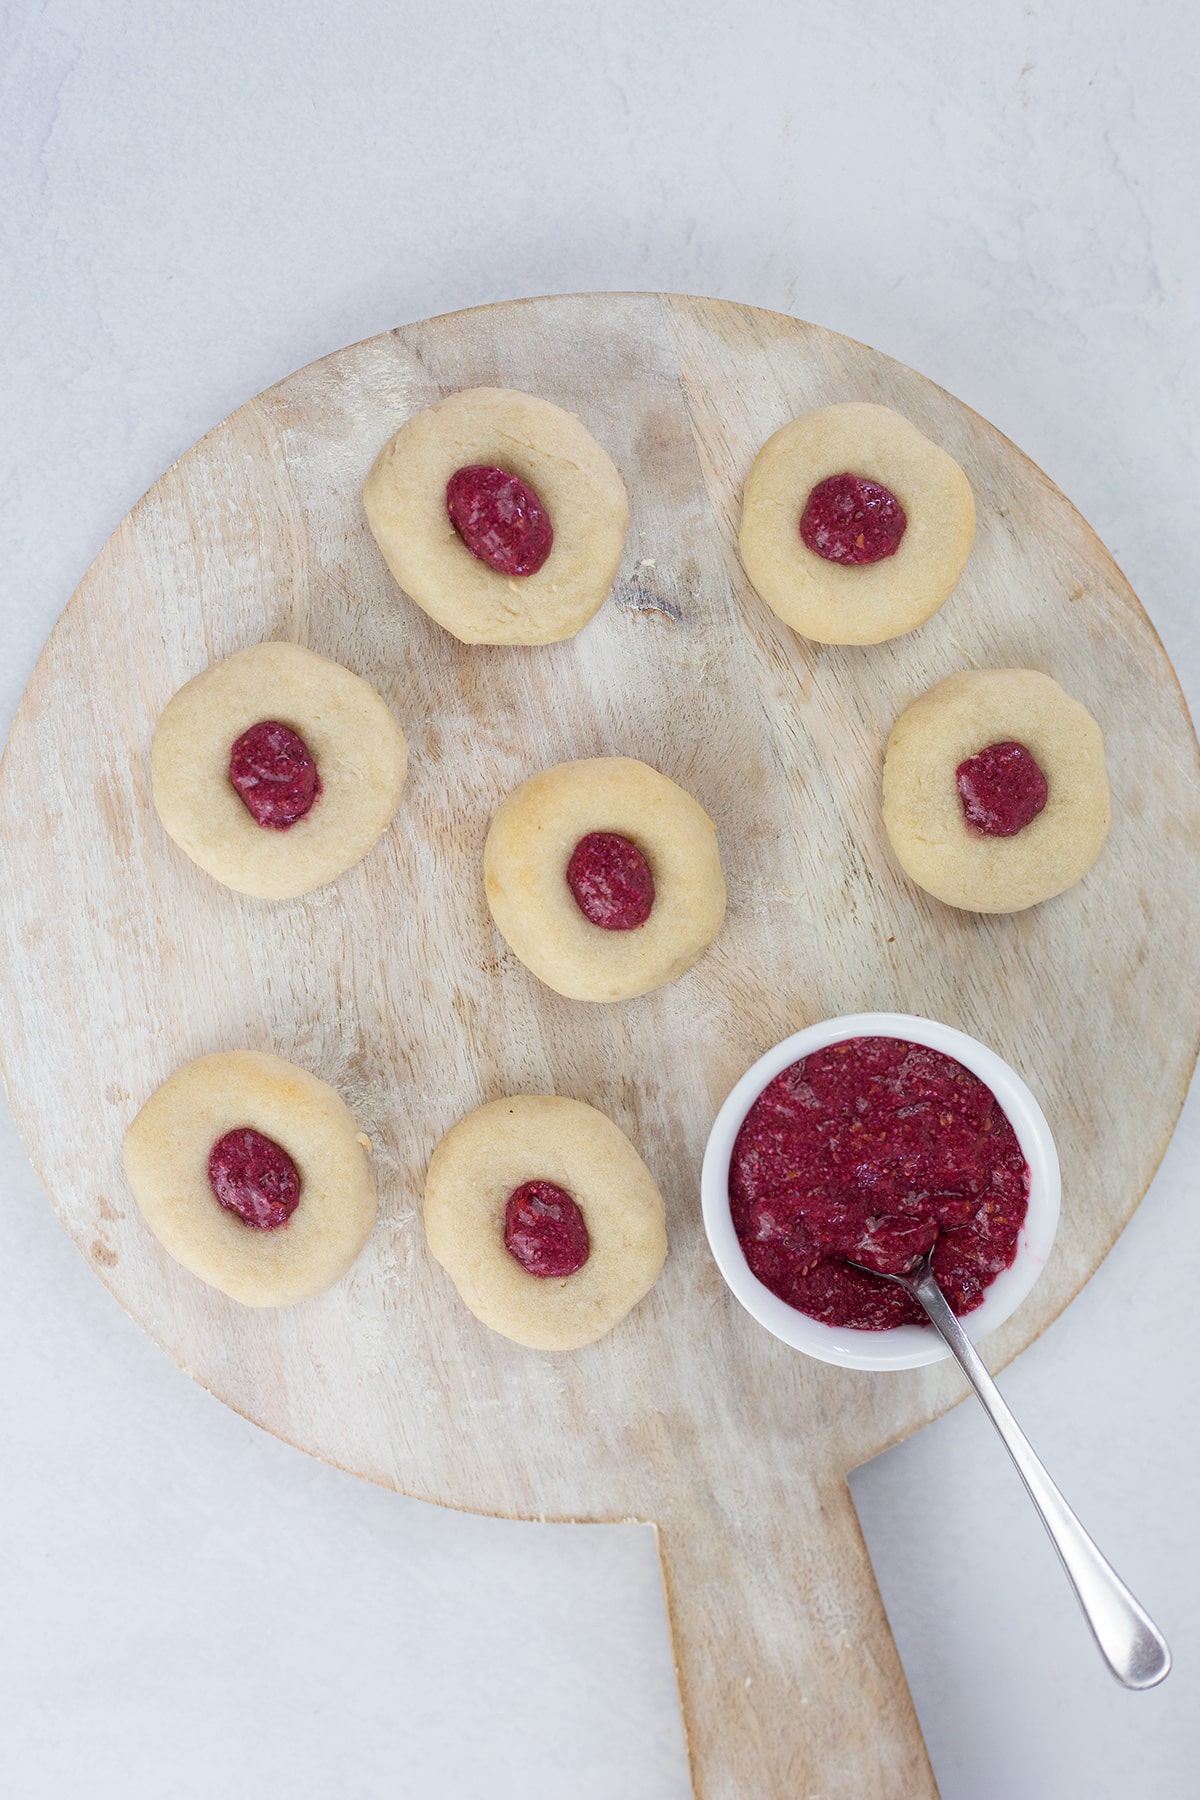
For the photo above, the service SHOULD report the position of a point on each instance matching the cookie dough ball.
(855, 527)
(604, 878)
(994, 790)
(252, 1174)
(277, 770)
(530, 1183)
(562, 520)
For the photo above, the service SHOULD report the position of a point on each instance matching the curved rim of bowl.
(904, 1346)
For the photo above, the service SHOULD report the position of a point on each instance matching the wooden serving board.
(122, 960)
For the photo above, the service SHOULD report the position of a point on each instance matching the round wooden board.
(123, 960)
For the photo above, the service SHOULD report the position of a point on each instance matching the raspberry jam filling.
(848, 519)
(611, 881)
(254, 1177)
(871, 1151)
(1002, 789)
(276, 779)
(499, 518)
(544, 1230)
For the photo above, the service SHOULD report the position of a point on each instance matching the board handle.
(789, 1677)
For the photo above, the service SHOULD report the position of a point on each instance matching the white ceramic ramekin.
(905, 1346)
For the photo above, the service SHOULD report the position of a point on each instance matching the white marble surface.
(197, 199)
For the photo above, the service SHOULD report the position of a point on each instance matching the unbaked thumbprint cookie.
(252, 1173)
(855, 527)
(604, 877)
(277, 770)
(995, 794)
(500, 515)
(546, 1219)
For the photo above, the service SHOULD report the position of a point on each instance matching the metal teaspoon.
(1128, 1639)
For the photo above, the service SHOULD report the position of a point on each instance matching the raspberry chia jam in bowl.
(868, 1140)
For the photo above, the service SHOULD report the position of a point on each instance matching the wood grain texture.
(122, 960)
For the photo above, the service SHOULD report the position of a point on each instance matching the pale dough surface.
(534, 1137)
(166, 1159)
(525, 860)
(358, 747)
(869, 603)
(923, 812)
(575, 479)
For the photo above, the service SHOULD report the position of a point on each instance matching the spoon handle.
(1129, 1641)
